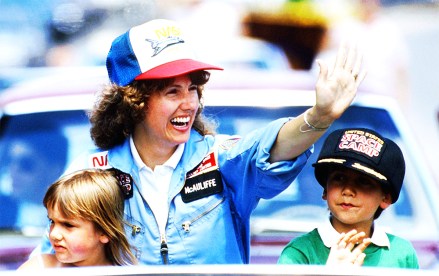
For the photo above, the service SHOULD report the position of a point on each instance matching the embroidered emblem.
(99, 160)
(229, 143)
(208, 164)
(125, 182)
(160, 45)
(361, 142)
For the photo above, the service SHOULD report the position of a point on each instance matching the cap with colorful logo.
(156, 49)
(365, 151)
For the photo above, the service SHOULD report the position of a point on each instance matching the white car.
(54, 107)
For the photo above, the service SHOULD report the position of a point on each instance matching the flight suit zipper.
(186, 225)
(164, 249)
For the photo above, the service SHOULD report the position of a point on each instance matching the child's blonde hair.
(94, 195)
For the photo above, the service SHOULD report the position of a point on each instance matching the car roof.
(75, 88)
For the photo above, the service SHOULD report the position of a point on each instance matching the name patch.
(202, 181)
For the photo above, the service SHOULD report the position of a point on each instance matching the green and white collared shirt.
(386, 250)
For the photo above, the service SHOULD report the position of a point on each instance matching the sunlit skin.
(353, 199)
(76, 241)
(168, 120)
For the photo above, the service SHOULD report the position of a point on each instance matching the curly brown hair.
(120, 108)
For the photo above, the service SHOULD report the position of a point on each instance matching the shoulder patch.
(229, 143)
(99, 160)
(125, 182)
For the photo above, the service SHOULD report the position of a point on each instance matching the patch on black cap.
(366, 151)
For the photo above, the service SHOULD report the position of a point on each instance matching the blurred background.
(399, 38)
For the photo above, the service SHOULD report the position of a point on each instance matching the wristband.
(310, 126)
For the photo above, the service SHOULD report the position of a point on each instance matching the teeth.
(181, 120)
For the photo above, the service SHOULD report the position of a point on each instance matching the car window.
(34, 151)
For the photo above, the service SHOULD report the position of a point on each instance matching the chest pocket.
(135, 232)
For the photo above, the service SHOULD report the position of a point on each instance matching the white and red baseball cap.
(156, 49)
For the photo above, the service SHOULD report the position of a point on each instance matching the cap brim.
(350, 164)
(176, 68)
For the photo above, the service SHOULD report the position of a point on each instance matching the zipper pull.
(186, 225)
(164, 250)
(136, 230)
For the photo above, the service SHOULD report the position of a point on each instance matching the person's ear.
(324, 196)
(104, 238)
(387, 201)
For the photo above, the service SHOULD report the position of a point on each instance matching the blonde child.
(85, 210)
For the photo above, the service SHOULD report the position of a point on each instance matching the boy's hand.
(348, 250)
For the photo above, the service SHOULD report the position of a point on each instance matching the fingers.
(323, 70)
(353, 60)
(340, 238)
(346, 241)
(341, 55)
(349, 249)
(350, 59)
(360, 77)
(337, 88)
(352, 238)
(357, 254)
(359, 260)
(365, 243)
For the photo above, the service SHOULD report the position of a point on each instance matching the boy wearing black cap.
(361, 173)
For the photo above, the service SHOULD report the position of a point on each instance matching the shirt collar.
(171, 162)
(329, 235)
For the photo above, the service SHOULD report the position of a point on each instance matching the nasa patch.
(99, 160)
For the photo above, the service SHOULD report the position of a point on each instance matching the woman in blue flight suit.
(192, 191)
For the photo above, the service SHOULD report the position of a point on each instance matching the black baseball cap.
(366, 151)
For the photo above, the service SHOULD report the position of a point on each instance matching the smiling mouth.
(180, 121)
(58, 247)
(346, 205)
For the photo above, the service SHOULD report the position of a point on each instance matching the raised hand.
(337, 88)
(348, 249)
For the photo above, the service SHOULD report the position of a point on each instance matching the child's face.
(76, 241)
(353, 199)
